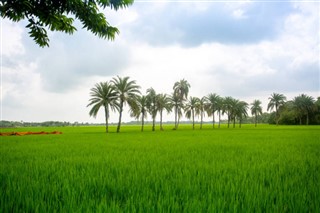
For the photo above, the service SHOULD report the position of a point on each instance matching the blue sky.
(245, 49)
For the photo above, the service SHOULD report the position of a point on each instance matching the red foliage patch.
(28, 133)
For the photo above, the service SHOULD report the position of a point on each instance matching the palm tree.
(256, 110)
(180, 91)
(219, 107)
(303, 104)
(201, 108)
(228, 107)
(235, 110)
(177, 105)
(152, 105)
(103, 94)
(140, 110)
(163, 103)
(190, 108)
(276, 101)
(127, 92)
(241, 111)
(212, 100)
(181, 88)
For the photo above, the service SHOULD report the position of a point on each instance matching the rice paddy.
(263, 169)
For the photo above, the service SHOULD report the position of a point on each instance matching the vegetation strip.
(29, 133)
(267, 168)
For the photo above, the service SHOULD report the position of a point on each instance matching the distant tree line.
(12, 124)
(113, 95)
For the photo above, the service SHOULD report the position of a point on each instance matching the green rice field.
(263, 169)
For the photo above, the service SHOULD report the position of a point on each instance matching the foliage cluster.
(57, 15)
(116, 93)
(262, 169)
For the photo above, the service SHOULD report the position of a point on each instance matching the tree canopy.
(58, 15)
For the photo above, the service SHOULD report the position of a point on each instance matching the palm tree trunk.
(106, 117)
(120, 116)
(161, 121)
(142, 122)
(234, 122)
(192, 119)
(219, 118)
(153, 123)
(201, 120)
(213, 122)
(175, 117)
(307, 118)
(255, 120)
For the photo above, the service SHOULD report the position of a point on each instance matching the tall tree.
(256, 110)
(303, 104)
(212, 103)
(180, 91)
(140, 110)
(276, 101)
(163, 103)
(127, 92)
(177, 105)
(241, 111)
(103, 95)
(228, 108)
(152, 105)
(219, 106)
(190, 108)
(58, 15)
(181, 88)
(201, 108)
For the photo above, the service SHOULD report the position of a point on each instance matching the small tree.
(163, 103)
(212, 105)
(190, 108)
(103, 95)
(140, 109)
(276, 101)
(152, 105)
(256, 110)
(127, 92)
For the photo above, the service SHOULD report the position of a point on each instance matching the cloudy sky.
(244, 49)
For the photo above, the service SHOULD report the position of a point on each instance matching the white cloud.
(154, 49)
(11, 39)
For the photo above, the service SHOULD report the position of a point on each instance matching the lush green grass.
(263, 169)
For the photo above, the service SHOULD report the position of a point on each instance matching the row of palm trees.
(121, 91)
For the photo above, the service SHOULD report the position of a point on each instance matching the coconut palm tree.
(152, 105)
(256, 109)
(103, 94)
(219, 107)
(190, 108)
(180, 91)
(127, 92)
(163, 103)
(140, 110)
(181, 88)
(235, 110)
(276, 101)
(177, 105)
(303, 104)
(228, 107)
(212, 103)
(201, 108)
(241, 111)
